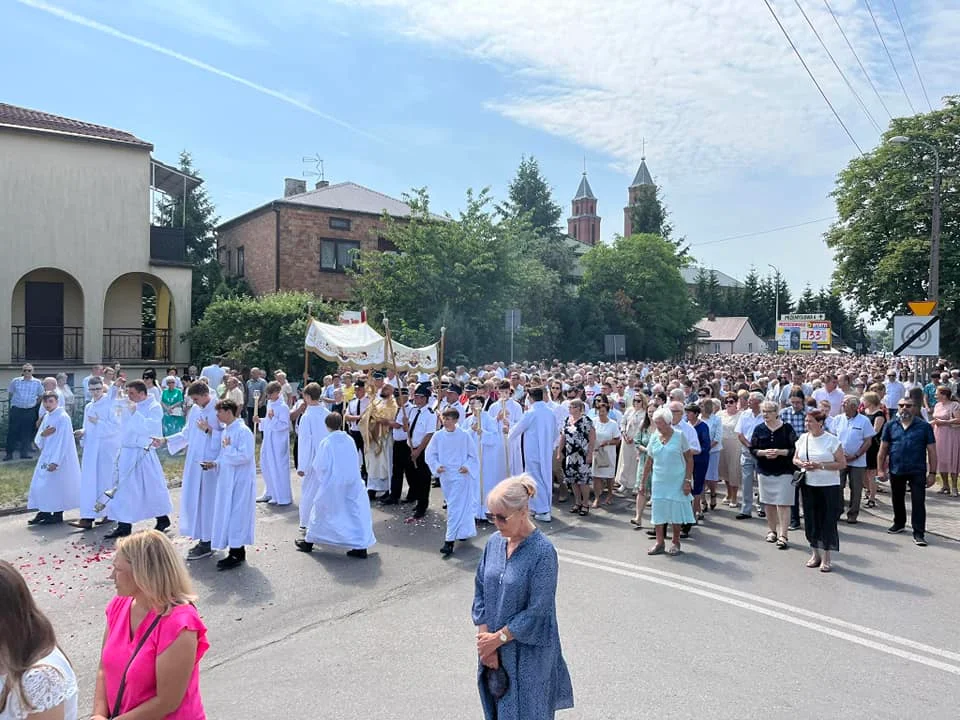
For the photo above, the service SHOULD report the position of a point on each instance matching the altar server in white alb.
(452, 456)
(100, 436)
(56, 479)
(488, 439)
(235, 506)
(275, 448)
(311, 430)
(538, 430)
(507, 412)
(340, 515)
(141, 488)
(201, 437)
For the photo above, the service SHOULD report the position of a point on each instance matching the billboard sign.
(803, 335)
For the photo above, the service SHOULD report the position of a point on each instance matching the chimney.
(322, 184)
(711, 316)
(293, 186)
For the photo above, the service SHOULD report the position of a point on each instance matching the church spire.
(643, 176)
(584, 192)
(584, 223)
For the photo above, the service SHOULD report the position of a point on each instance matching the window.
(574, 231)
(240, 262)
(229, 262)
(749, 347)
(339, 224)
(338, 255)
(593, 230)
(384, 245)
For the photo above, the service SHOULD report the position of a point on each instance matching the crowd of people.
(801, 441)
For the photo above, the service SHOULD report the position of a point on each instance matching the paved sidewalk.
(943, 512)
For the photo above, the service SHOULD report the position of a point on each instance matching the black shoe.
(163, 522)
(651, 533)
(852, 521)
(447, 548)
(389, 501)
(418, 516)
(794, 526)
(762, 513)
(303, 545)
(919, 541)
(7, 458)
(895, 529)
(38, 519)
(199, 551)
(684, 531)
(26, 457)
(52, 519)
(435, 483)
(742, 516)
(360, 553)
(121, 530)
(371, 495)
(229, 562)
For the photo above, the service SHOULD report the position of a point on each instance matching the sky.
(402, 94)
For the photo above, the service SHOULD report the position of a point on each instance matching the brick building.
(641, 179)
(584, 223)
(306, 240)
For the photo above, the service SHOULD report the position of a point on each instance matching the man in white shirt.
(831, 393)
(895, 389)
(214, 374)
(749, 419)
(855, 432)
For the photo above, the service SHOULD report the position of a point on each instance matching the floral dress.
(576, 445)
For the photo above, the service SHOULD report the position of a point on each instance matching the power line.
(910, 50)
(803, 62)
(857, 57)
(889, 56)
(764, 232)
(837, 66)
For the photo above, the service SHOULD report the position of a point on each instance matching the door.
(43, 317)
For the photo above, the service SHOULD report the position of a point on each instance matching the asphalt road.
(733, 628)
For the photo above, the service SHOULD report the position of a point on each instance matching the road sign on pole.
(913, 335)
(615, 345)
(922, 308)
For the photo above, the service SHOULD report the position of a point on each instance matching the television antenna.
(317, 163)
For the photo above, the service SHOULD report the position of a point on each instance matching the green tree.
(807, 303)
(530, 196)
(201, 243)
(648, 214)
(634, 287)
(881, 240)
(461, 273)
(266, 331)
(751, 303)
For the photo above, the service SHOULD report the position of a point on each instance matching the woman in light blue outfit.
(515, 611)
(670, 459)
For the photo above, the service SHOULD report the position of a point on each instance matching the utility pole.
(776, 311)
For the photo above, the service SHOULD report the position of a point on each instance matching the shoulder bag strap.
(123, 678)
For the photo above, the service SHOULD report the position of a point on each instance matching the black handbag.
(800, 476)
(496, 679)
(123, 678)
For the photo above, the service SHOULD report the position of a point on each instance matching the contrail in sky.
(276, 94)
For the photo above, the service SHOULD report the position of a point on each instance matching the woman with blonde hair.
(149, 662)
(521, 671)
(37, 680)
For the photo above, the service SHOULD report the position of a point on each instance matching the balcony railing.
(57, 343)
(125, 344)
(168, 246)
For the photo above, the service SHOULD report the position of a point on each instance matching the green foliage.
(530, 197)
(265, 332)
(881, 241)
(634, 287)
(201, 243)
(648, 215)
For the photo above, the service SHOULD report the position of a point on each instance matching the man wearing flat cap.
(353, 412)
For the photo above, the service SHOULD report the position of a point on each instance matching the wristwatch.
(503, 638)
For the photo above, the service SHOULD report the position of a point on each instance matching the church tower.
(584, 223)
(641, 179)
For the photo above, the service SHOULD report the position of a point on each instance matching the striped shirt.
(25, 393)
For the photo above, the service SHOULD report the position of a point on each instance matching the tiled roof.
(690, 272)
(18, 117)
(722, 328)
(643, 175)
(584, 192)
(351, 197)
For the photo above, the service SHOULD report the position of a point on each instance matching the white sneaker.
(263, 498)
(543, 517)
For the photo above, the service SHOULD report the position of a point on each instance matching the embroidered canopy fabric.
(358, 345)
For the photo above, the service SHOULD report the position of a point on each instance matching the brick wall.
(256, 235)
(301, 230)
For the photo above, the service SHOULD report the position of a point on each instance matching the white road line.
(787, 613)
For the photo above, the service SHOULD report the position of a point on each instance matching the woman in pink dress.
(946, 428)
(154, 638)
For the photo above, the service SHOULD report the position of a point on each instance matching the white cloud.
(712, 86)
(208, 19)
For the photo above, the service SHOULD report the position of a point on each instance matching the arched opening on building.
(47, 317)
(137, 319)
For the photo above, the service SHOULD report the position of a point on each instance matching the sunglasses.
(497, 517)
(730, 401)
(905, 405)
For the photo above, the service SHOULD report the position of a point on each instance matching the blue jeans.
(748, 471)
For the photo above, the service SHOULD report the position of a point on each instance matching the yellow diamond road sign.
(922, 308)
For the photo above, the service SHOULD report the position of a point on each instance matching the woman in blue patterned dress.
(515, 611)
(670, 459)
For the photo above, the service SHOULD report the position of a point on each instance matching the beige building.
(727, 335)
(89, 279)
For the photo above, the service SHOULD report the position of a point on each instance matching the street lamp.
(934, 289)
(776, 311)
